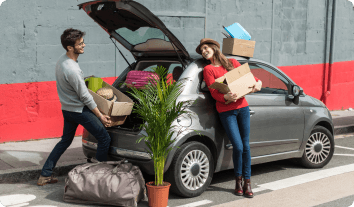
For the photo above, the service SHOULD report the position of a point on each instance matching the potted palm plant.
(157, 105)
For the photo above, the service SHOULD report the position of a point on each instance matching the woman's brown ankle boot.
(238, 187)
(247, 188)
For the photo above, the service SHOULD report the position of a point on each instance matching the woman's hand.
(230, 97)
(106, 120)
(257, 87)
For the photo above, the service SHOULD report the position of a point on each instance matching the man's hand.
(106, 120)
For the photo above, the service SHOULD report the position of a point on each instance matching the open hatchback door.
(135, 27)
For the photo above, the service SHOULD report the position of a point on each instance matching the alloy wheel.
(318, 148)
(194, 169)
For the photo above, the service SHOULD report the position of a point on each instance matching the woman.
(235, 116)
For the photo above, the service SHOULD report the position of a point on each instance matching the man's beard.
(76, 51)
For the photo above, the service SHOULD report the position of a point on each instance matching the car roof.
(248, 59)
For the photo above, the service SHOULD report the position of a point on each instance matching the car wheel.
(319, 148)
(191, 170)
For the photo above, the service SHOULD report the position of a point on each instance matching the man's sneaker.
(46, 180)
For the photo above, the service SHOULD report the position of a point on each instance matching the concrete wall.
(291, 34)
(287, 32)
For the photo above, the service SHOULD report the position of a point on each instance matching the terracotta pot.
(158, 195)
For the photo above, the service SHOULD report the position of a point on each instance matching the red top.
(211, 73)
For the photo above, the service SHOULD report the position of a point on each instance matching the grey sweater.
(72, 91)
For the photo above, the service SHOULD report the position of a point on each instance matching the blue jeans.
(237, 126)
(71, 121)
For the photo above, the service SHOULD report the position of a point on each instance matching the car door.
(277, 121)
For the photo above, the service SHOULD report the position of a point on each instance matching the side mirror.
(296, 90)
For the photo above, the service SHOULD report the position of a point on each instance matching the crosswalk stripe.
(198, 203)
(304, 195)
(349, 155)
(308, 177)
(345, 147)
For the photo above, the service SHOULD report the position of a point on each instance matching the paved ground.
(21, 162)
(281, 183)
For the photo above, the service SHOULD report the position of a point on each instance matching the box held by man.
(116, 110)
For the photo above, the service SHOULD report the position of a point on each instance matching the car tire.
(319, 148)
(191, 170)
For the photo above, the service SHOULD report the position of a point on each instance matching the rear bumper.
(141, 159)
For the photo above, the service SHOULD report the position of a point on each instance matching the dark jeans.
(71, 121)
(237, 127)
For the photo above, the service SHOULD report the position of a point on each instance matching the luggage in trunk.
(139, 79)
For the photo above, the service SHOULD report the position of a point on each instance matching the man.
(77, 104)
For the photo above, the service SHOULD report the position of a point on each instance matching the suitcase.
(109, 183)
(139, 79)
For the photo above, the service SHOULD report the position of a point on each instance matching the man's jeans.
(237, 127)
(71, 121)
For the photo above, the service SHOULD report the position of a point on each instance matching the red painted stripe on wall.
(310, 78)
(32, 110)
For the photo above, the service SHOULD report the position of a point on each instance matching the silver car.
(285, 122)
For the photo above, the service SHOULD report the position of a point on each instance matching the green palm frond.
(158, 107)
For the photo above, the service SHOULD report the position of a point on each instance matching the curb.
(32, 173)
(62, 169)
(343, 129)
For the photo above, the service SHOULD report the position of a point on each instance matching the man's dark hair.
(69, 37)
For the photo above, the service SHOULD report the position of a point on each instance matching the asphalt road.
(281, 183)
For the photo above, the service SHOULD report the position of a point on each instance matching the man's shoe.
(46, 180)
(238, 187)
(247, 188)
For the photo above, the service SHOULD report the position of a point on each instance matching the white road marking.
(20, 205)
(345, 147)
(343, 136)
(349, 155)
(304, 178)
(259, 189)
(16, 199)
(198, 203)
(305, 195)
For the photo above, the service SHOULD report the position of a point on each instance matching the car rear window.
(141, 35)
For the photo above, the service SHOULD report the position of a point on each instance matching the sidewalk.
(22, 161)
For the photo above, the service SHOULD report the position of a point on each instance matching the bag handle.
(115, 170)
(96, 162)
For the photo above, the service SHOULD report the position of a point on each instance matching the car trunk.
(135, 27)
(143, 34)
(133, 122)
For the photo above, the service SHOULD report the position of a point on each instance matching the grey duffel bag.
(110, 183)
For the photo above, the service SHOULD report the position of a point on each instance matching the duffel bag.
(110, 183)
(139, 79)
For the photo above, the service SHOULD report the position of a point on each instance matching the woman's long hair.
(226, 63)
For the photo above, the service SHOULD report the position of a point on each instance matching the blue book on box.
(237, 31)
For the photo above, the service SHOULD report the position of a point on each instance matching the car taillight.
(85, 134)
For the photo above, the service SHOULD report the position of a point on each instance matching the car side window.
(150, 68)
(175, 71)
(272, 82)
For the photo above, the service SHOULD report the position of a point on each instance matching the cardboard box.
(118, 110)
(238, 47)
(239, 81)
